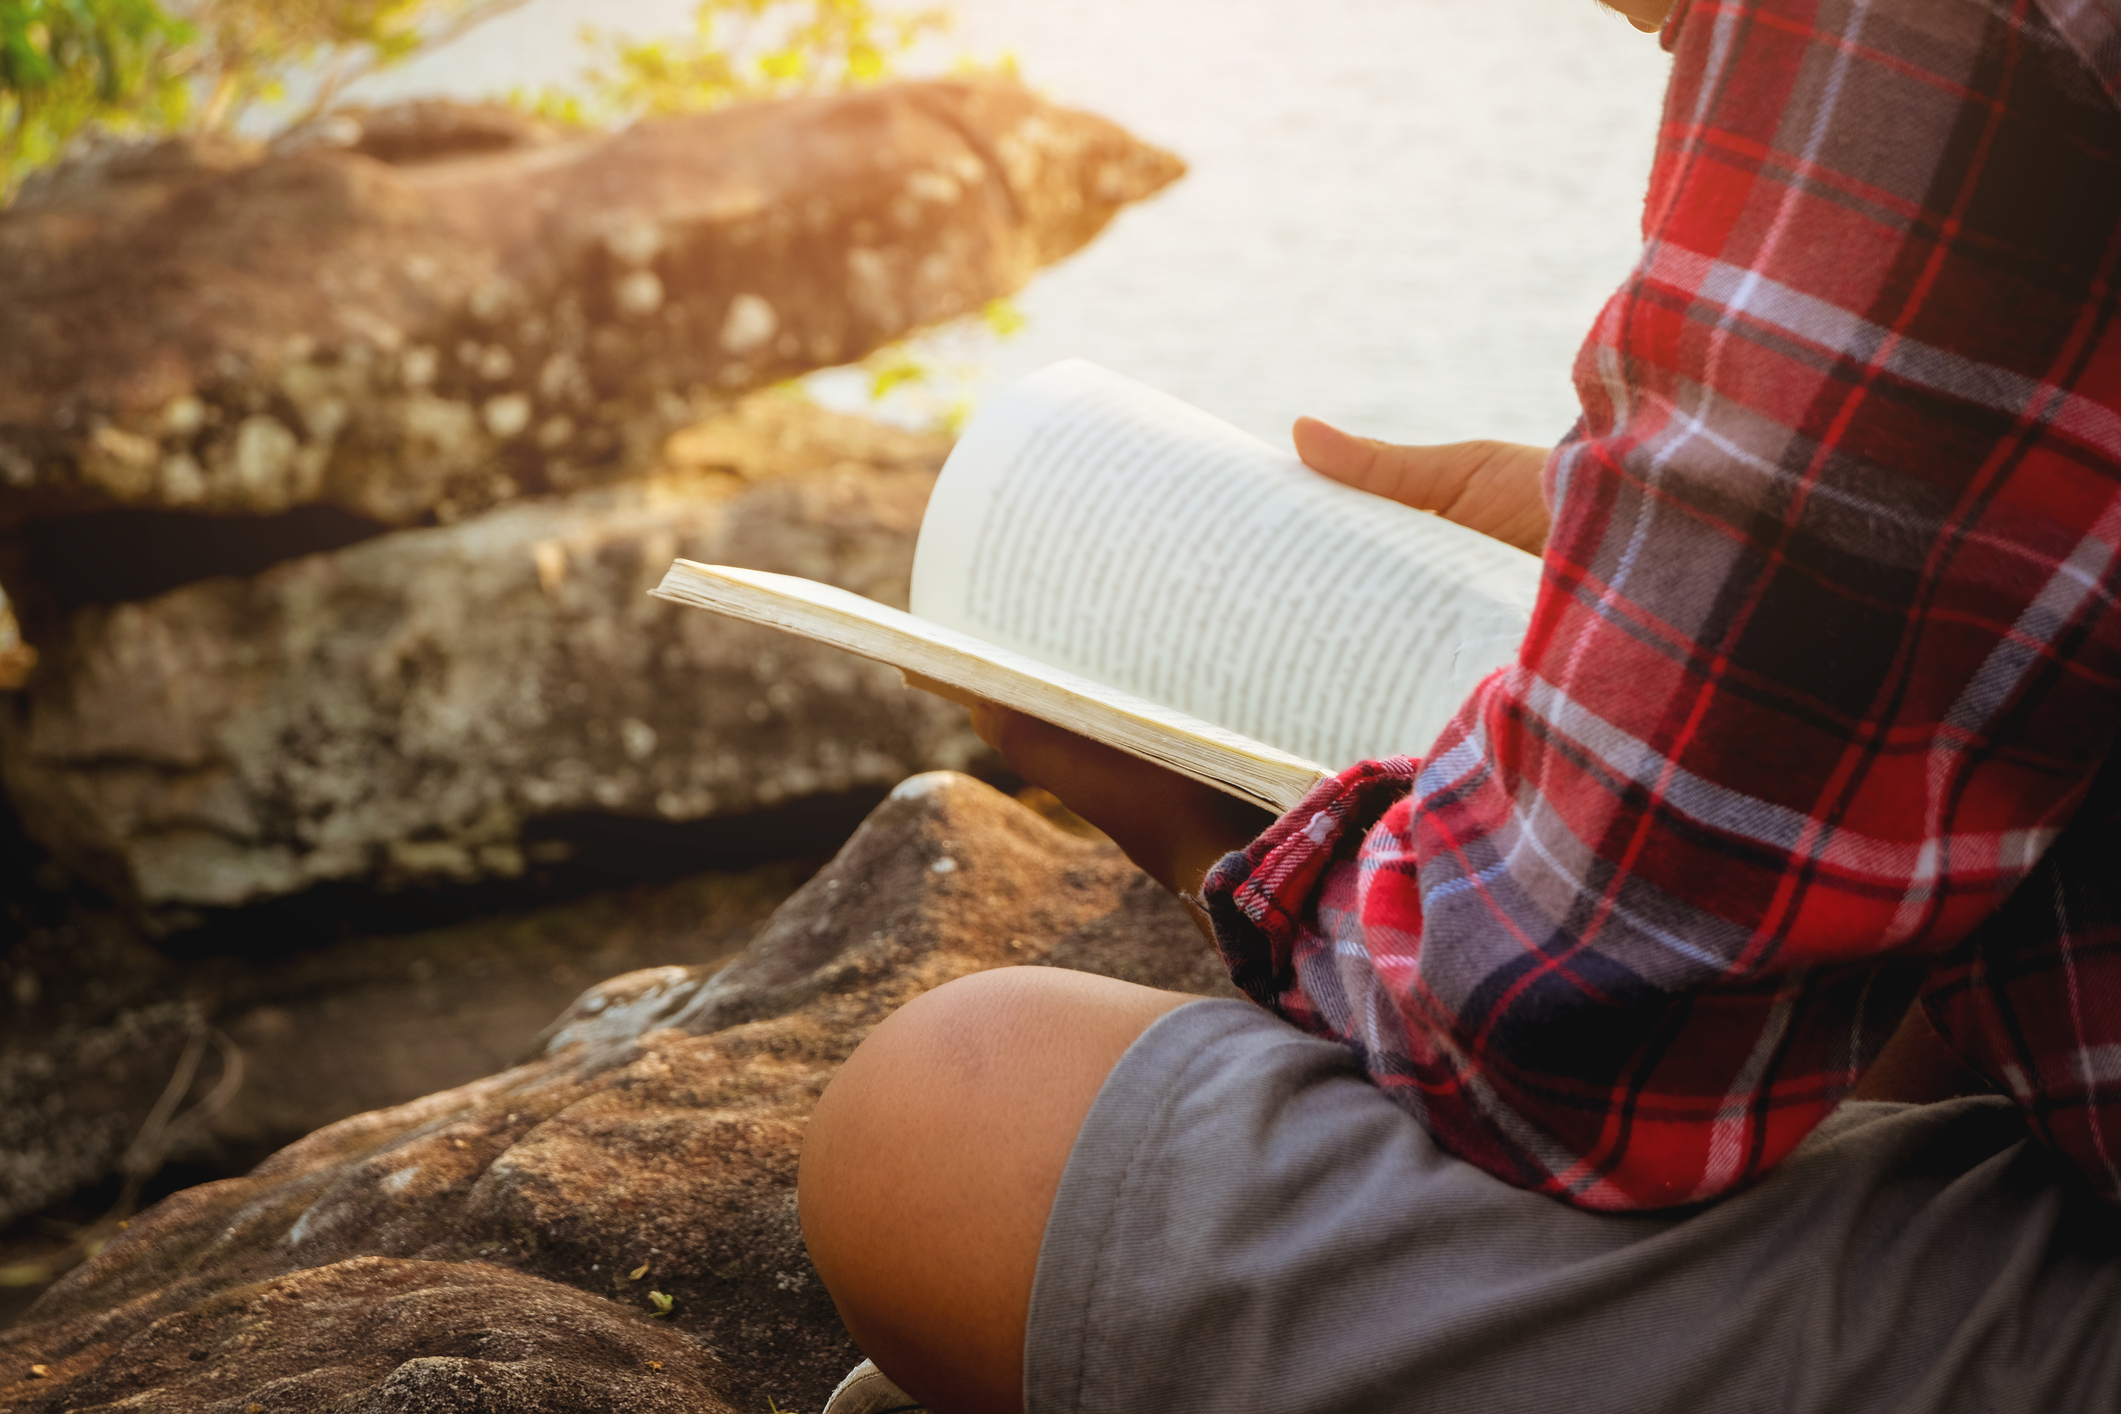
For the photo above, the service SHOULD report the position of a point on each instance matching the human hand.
(1174, 827)
(1491, 487)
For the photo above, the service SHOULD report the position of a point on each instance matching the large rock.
(377, 1336)
(73, 1104)
(413, 708)
(500, 1225)
(258, 1048)
(409, 314)
(441, 1007)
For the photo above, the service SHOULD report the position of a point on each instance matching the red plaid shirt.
(1818, 705)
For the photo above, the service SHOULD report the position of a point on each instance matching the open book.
(1110, 559)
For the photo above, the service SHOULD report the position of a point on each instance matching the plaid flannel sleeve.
(1825, 656)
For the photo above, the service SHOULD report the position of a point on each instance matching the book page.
(964, 665)
(1094, 523)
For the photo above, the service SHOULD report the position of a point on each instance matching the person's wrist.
(1190, 874)
(1173, 827)
(1191, 885)
(1230, 825)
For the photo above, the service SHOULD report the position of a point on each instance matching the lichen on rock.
(429, 310)
(403, 711)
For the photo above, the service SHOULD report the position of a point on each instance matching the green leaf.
(897, 373)
(67, 63)
(744, 49)
(1003, 318)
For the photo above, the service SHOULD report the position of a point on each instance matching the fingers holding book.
(1174, 827)
(1491, 487)
(1123, 597)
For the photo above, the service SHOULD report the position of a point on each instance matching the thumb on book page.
(1491, 487)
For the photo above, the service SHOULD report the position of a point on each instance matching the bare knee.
(994, 1057)
(933, 1159)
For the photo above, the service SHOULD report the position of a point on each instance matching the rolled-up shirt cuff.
(1261, 897)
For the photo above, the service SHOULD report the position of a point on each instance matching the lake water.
(1402, 214)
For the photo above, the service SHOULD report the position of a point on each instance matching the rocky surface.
(421, 313)
(442, 1007)
(262, 1052)
(505, 1246)
(377, 1336)
(416, 707)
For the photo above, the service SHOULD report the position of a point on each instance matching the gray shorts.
(1246, 1224)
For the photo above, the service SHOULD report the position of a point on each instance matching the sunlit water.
(1402, 214)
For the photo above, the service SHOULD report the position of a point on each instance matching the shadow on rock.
(643, 1163)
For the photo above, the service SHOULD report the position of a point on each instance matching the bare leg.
(1917, 1067)
(933, 1160)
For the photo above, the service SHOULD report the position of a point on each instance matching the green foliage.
(250, 49)
(1003, 318)
(1002, 65)
(64, 63)
(740, 49)
(748, 49)
(930, 361)
(161, 66)
(927, 379)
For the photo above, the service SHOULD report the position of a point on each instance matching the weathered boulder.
(422, 130)
(441, 1007)
(657, 1134)
(406, 710)
(424, 312)
(257, 1048)
(73, 1104)
(377, 1336)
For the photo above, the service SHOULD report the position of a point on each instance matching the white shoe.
(867, 1390)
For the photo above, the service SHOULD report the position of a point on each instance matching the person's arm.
(1818, 669)
(1174, 827)
(1815, 675)
(1171, 825)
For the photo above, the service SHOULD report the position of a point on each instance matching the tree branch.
(351, 67)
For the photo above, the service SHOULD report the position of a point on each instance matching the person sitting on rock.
(1546, 1100)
